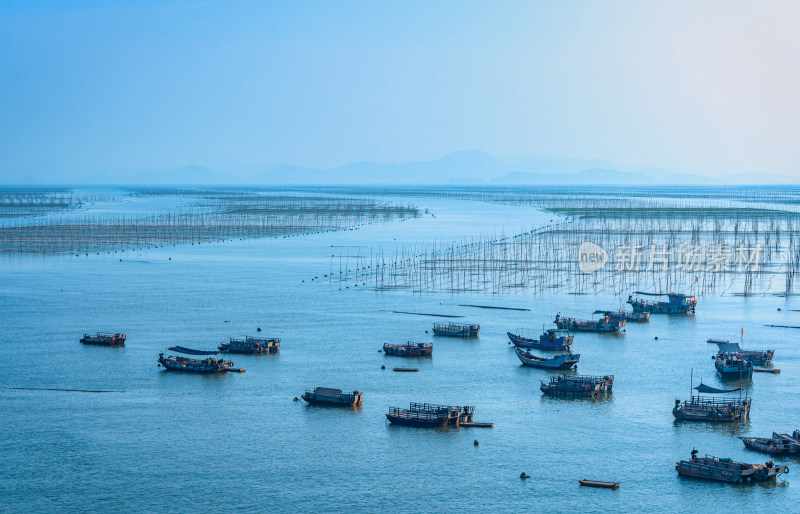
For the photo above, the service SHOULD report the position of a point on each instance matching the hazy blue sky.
(703, 87)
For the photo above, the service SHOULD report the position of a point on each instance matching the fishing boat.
(330, 396)
(604, 324)
(727, 470)
(409, 349)
(733, 366)
(713, 409)
(577, 386)
(104, 339)
(426, 415)
(676, 303)
(551, 339)
(456, 330)
(778, 444)
(257, 345)
(629, 317)
(755, 357)
(208, 365)
(566, 361)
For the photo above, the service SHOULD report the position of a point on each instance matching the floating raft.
(235, 370)
(478, 425)
(766, 370)
(406, 369)
(597, 483)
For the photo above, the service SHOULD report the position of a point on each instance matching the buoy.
(296, 399)
(656, 338)
(779, 308)
(475, 443)
(258, 329)
(383, 367)
(523, 475)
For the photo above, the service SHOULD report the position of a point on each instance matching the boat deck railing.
(455, 327)
(705, 401)
(419, 415)
(430, 407)
(580, 379)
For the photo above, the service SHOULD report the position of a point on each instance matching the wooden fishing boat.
(755, 357)
(551, 339)
(456, 330)
(733, 366)
(104, 339)
(713, 409)
(409, 349)
(778, 444)
(208, 365)
(425, 415)
(604, 324)
(566, 361)
(676, 304)
(727, 470)
(577, 386)
(255, 345)
(597, 483)
(330, 396)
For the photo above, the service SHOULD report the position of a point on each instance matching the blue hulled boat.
(733, 366)
(552, 339)
(566, 361)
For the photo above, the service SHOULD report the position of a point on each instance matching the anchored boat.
(551, 339)
(329, 396)
(604, 324)
(733, 366)
(727, 470)
(707, 408)
(427, 415)
(409, 349)
(565, 361)
(456, 330)
(756, 357)
(208, 365)
(676, 304)
(257, 345)
(778, 444)
(577, 386)
(104, 339)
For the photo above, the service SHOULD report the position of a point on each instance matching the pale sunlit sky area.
(244, 86)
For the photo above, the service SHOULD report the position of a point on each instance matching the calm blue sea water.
(167, 441)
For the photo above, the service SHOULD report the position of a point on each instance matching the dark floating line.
(426, 314)
(493, 307)
(58, 389)
(781, 326)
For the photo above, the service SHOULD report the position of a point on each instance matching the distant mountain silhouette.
(457, 168)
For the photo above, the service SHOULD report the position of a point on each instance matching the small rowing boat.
(597, 483)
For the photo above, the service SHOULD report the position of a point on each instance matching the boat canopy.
(729, 347)
(189, 351)
(702, 388)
